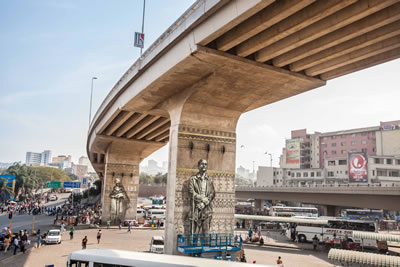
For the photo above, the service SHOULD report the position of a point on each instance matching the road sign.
(72, 184)
(53, 184)
(139, 39)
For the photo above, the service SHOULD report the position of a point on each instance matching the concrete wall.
(387, 142)
(265, 176)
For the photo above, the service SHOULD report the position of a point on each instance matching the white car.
(53, 237)
(157, 244)
(53, 198)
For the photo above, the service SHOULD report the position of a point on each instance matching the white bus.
(98, 257)
(339, 226)
(156, 214)
(280, 211)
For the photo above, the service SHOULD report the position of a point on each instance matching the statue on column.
(119, 200)
(202, 194)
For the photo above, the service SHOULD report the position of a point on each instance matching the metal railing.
(199, 243)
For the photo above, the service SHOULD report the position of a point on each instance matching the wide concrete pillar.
(329, 210)
(122, 162)
(259, 206)
(199, 131)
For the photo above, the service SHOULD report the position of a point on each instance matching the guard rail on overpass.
(347, 195)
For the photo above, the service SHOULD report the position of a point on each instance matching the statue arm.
(192, 192)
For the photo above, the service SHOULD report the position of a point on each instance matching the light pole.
(266, 153)
(91, 95)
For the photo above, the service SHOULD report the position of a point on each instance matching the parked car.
(53, 237)
(52, 197)
(157, 244)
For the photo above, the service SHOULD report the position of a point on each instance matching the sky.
(50, 50)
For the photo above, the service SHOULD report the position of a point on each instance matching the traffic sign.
(53, 184)
(72, 184)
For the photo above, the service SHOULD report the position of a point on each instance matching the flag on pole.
(139, 39)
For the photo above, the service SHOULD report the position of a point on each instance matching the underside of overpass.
(218, 60)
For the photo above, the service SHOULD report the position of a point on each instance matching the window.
(364, 134)
(343, 136)
(353, 135)
(374, 149)
(107, 265)
(334, 137)
(343, 143)
(333, 144)
(305, 174)
(346, 172)
(342, 162)
(331, 174)
(333, 152)
(353, 143)
(318, 174)
(398, 162)
(298, 174)
(364, 150)
(325, 152)
(312, 174)
(81, 264)
(292, 174)
(324, 145)
(331, 163)
(364, 142)
(343, 152)
(325, 138)
(389, 161)
(373, 172)
(378, 161)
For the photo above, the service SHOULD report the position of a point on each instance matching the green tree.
(145, 178)
(4, 189)
(21, 174)
(160, 178)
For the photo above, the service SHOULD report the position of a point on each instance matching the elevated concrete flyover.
(361, 196)
(218, 60)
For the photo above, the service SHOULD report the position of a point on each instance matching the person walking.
(71, 233)
(279, 262)
(16, 244)
(129, 227)
(23, 242)
(120, 226)
(108, 224)
(7, 242)
(98, 236)
(315, 242)
(84, 242)
(62, 227)
(38, 241)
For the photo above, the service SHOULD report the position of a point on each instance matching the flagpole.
(144, 8)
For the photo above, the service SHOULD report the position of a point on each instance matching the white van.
(156, 213)
(157, 244)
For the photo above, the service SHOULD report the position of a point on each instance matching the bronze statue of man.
(119, 199)
(202, 193)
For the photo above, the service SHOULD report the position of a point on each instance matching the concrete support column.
(329, 210)
(200, 132)
(259, 206)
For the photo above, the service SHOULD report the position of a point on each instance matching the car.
(157, 244)
(53, 198)
(53, 237)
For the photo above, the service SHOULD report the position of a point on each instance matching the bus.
(156, 213)
(98, 257)
(280, 211)
(363, 214)
(339, 227)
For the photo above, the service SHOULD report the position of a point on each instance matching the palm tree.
(21, 175)
(4, 189)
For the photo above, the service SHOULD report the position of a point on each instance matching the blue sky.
(49, 50)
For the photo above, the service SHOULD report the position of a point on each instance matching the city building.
(33, 158)
(62, 158)
(5, 165)
(85, 161)
(325, 158)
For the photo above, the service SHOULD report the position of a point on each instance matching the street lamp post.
(91, 95)
(269, 154)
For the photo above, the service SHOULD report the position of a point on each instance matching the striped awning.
(376, 236)
(349, 256)
(280, 219)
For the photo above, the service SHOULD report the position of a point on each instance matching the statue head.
(202, 165)
(117, 182)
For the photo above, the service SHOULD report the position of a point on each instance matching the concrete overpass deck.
(361, 196)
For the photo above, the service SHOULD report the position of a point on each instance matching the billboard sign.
(72, 184)
(53, 184)
(358, 172)
(9, 178)
(293, 151)
(84, 180)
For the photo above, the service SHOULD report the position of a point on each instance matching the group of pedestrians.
(18, 241)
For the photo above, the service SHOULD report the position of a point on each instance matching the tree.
(160, 178)
(21, 174)
(144, 178)
(4, 189)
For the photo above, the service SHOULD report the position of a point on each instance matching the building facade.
(33, 158)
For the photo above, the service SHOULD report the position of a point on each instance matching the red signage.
(358, 172)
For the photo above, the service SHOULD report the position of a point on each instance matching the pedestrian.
(108, 224)
(84, 242)
(279, 262)
(16, 244)
(98, 236)
(71, 233)
(23, 241)
(315, 242)
(62, 227)
(120, 226)
(7, 241)
(38, 241)
(129, 227)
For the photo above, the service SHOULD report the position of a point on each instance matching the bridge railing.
(373, 185)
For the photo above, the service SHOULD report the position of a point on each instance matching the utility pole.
(144, 8)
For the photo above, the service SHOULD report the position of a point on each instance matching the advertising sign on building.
(9, 178)
(358, 172)
(293, 151)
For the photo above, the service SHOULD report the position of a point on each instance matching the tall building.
(85, 161)
(62, 158)
(33, 158)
